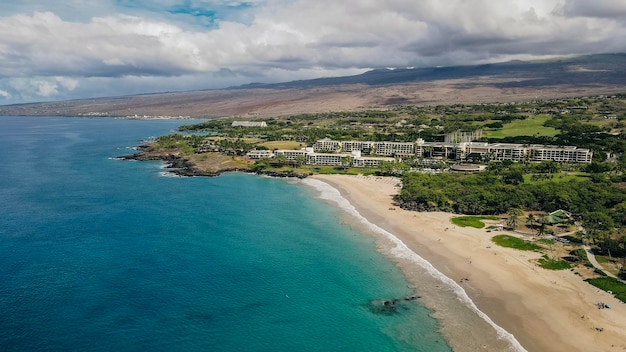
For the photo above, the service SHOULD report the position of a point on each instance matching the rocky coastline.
(186, 166)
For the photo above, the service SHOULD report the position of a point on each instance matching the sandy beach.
(544, 310)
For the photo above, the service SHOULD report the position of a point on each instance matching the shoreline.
(185, 166)
(544, 310)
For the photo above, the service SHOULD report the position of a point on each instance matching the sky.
(71, 49)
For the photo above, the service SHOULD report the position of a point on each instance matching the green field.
(514, 242)
(531, 126)
(283, 145)
(618, 288)
(553, 264)
(472, 221)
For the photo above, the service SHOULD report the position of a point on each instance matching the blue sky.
(68, 49)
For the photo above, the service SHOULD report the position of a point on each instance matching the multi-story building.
(521, 152)
(362, 146)
(559, 154)
(394, 148)
(293, 154)
(258, 154)
(249, 124)
(328, 159)
(369, 161)
(444, 150)
(507, 151)
(327, 145)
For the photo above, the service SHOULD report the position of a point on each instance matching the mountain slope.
(381, 88)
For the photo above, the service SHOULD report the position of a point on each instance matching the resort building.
(349, 152)
(461, 150)
(520, 152)
(291, 155)
(505, 151)
(327, 145)
(394, 148)
(369, 161)
(560, 154)
(328, 159)
(443, 150)
(258, 154)
(361, 146)
(249, 124)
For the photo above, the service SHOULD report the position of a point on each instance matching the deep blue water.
(99, 254)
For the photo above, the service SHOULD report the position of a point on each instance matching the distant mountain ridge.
(547, 69)
(377, 89)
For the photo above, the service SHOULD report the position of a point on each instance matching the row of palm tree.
(538, 222)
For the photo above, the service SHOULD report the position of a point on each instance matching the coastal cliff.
(206, 164)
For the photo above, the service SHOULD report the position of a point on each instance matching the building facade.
(461, 151)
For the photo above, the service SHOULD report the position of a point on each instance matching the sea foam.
(402, 251)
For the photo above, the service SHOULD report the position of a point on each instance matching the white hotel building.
(520, 152)
(338, 153)
(459, 151)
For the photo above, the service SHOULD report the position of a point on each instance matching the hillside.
(500, 82)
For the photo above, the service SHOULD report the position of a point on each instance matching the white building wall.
(327, 145)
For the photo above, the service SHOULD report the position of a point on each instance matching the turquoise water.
(99, 254)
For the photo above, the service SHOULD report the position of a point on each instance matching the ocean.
(101, 254)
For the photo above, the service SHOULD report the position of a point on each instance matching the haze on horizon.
(71, 49)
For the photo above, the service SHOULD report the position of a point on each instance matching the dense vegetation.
(498, 192)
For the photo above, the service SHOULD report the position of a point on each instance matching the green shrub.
(553, 264)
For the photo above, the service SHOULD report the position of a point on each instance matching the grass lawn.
(533, 125)
(610, 284)
(514, 242)
(472, 221)
(283, 145)
(546, 241)
(553, 264)
(244, 139)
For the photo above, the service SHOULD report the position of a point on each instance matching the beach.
(516, 301)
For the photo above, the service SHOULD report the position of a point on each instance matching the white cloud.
(597, 8)
(147, 40)
(39, 87)
(68, 83)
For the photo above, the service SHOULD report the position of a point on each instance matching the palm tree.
(346, 162)
(543, 221)
(513, 219)
(530, 220)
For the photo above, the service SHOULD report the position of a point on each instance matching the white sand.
(545, 310)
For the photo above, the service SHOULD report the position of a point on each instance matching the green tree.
(280, 158)
(530, 220)
(261, 164)
(596, 224)
(513, 219)
(513, 177)
(543, 220)
(300, 160)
